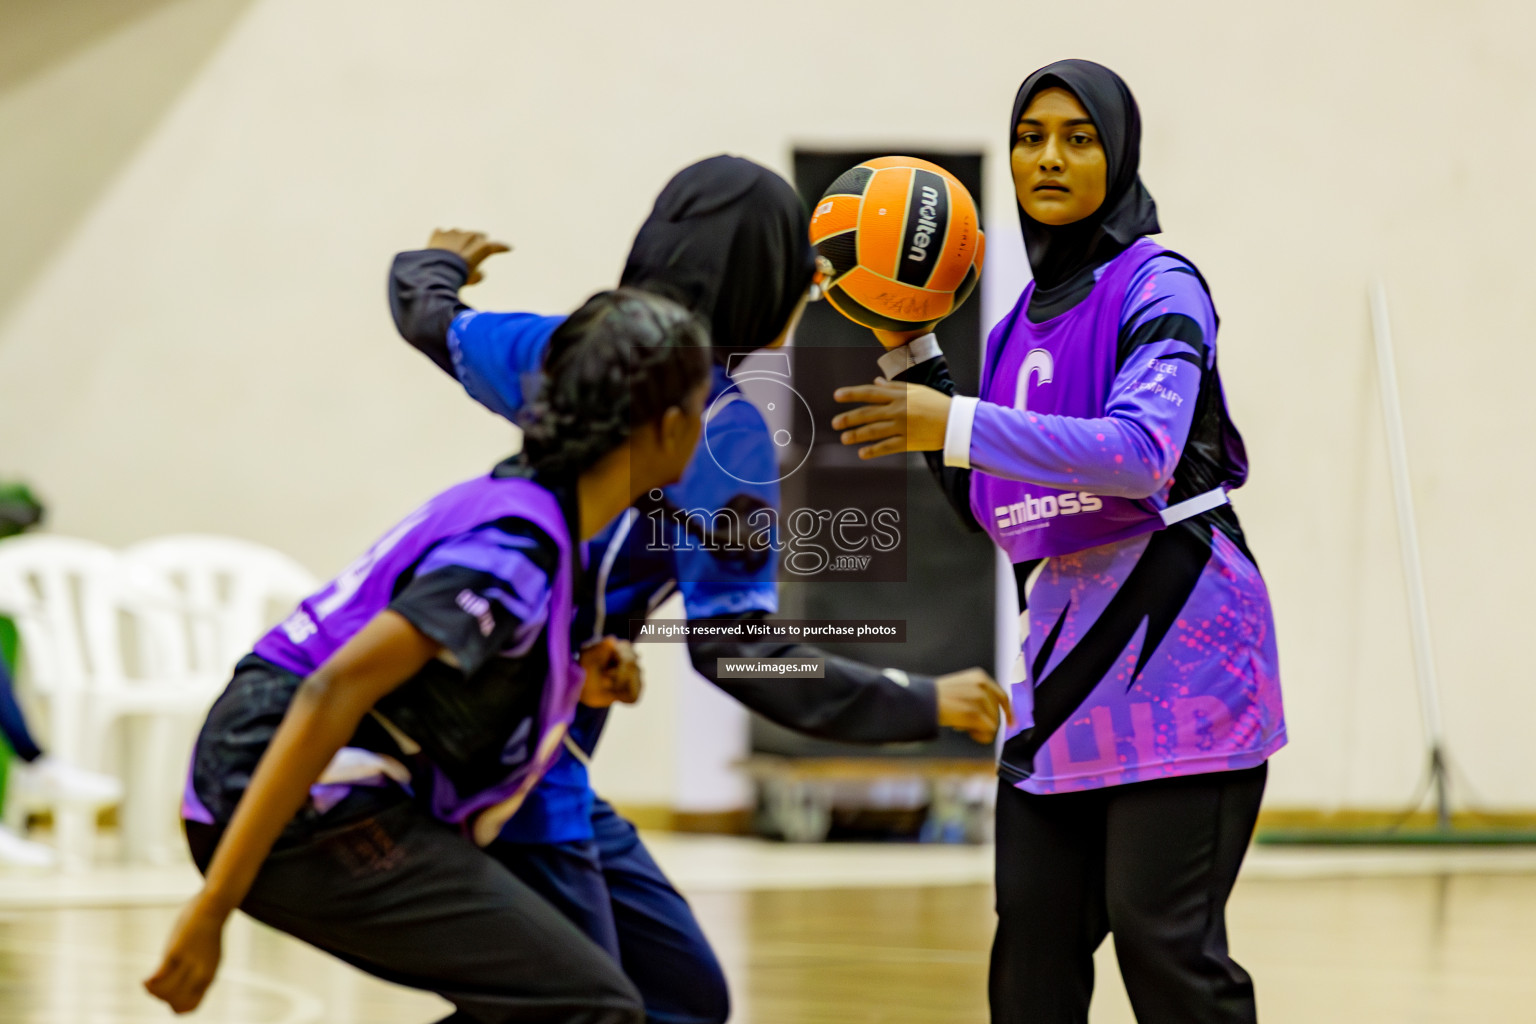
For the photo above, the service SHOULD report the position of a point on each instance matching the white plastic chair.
(111, 639)
(230, 591)
(66, 597)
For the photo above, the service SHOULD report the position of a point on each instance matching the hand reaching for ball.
(613, 673)
(899, 417)
(902, 238)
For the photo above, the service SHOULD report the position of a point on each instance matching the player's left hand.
(473, 247)
(900, 417)
(613, 673)
(974, 703)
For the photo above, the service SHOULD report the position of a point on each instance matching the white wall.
(209, 348)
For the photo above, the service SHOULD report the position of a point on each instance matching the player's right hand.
(612, 673)
(474, 247)
(974, 703)
(898, 417)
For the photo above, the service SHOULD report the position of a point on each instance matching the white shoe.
(24, 853)
(48, 781)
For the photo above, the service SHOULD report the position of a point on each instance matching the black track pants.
(1151, 862)
(409, 900)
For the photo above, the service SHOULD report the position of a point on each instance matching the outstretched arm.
(856, 702)
(424, 288)
(1166, 344)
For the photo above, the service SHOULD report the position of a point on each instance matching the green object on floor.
(8, 642)
(19, 511)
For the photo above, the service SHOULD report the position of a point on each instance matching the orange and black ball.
(904, 241)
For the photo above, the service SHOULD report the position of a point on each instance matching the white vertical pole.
(1007, 273)
(1408, 546)
(1006, 650)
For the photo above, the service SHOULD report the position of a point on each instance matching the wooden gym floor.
(1328, 938)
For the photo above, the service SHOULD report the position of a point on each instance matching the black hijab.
(730, 240)
(1060, 257)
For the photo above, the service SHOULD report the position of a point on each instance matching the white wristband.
(957, 431)
(1191, 507)
(918, 350)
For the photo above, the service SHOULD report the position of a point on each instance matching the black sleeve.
(473, 631)
(484, 593)
(855, 703)
(955, 483)
(424, 298)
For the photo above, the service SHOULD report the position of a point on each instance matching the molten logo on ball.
(926, 223)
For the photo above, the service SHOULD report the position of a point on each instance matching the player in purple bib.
(371, 745)
(1099, 456)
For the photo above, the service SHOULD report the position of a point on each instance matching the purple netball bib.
(1064, 366)
(327, 620)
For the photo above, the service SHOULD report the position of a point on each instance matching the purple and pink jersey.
(485, 569)
(1102, 446)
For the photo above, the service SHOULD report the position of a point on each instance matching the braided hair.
(620, 361)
